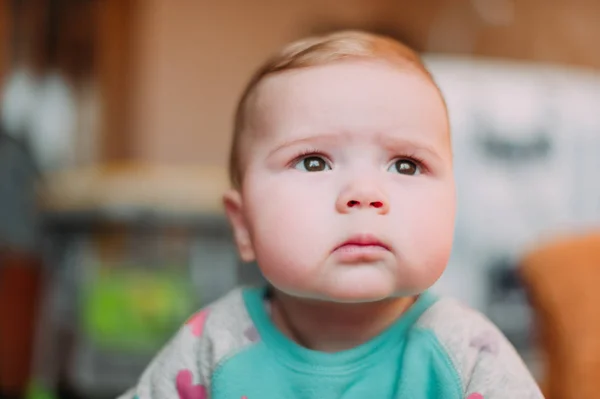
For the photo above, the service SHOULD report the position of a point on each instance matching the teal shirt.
(437, 349)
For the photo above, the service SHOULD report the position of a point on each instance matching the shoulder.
(457, 325)
(216, 332)
(461, 331)
(223, 328)
(228, 312)
(484, 359)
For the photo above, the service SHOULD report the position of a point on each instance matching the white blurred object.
(526, 141)
(45, 111)
(18, 102)
(53, 123)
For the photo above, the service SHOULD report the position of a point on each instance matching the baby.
(343, 193)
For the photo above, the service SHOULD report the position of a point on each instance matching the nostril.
(377, 204)
(353, 203)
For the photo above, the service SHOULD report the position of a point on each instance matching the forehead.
(351, 97)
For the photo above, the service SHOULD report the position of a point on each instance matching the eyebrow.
(305, 140)
(391, 143)
(394, 143)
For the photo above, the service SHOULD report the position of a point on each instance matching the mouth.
(363, 240)
(362, 247)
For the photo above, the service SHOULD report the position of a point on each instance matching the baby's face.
(348, 193)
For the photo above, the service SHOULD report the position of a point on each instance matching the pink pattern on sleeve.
(186, 388)
(197, 321)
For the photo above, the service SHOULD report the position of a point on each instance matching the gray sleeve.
(488, 365)
(499, 372)
(175, 367)
(186, 364)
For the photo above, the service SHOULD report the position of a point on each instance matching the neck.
(333, 327)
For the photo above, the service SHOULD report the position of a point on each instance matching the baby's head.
(341, 167)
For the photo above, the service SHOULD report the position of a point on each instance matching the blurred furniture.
(562, 279)
(20, 263)
(507, 305)
(132, 251)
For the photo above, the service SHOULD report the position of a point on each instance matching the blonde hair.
(317, 51)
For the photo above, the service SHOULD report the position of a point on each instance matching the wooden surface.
(136, 187)
(5, 27)
(115, 21)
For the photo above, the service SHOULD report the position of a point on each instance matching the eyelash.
(413, 158)
(307, 153)
(315, 152)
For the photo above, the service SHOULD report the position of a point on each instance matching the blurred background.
(115, 121)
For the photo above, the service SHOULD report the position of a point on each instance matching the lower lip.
(353, 253)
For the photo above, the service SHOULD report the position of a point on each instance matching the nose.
(360, 196)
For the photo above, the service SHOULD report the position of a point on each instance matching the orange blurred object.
(563, 282)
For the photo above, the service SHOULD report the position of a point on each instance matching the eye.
(405, 167)
(312, 163)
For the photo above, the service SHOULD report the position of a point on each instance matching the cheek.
(433, 223)
(286, 219)
(285, 205)
(429, 219)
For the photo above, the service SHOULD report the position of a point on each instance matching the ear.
(232, 200)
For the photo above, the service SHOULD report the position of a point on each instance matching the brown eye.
(312, 164)
(405, 167)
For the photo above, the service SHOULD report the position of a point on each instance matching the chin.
(373, 292)
(360, 285)
(363, 294)
(359, 299)
(335, 294)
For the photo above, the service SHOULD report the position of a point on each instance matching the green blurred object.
(37, 391)
(136, 309)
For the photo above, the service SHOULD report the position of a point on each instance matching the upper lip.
(364, 240)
